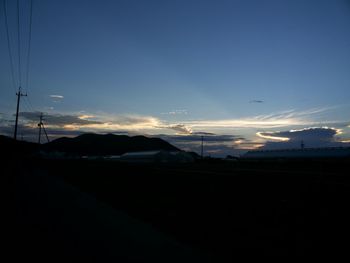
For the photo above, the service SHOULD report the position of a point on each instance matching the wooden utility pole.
(39, 124)
(202, 137)
(19, 94)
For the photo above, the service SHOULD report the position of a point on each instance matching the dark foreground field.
(209, 211)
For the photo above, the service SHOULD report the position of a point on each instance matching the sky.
(244, 74)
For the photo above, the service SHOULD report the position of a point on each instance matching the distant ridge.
(109, 144)
(11, 147)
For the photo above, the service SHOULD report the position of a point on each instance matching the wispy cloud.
(86, 116)
(203, 133)
(256, 101)
(94, 123)
(215, 138)
(128, 123)
(175, 112)
(105, 122)
(272, 136)
(178, 128)
(58, 120)
(60, 97)
(274, 120)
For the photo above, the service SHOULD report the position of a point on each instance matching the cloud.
(147, 124)
(93, 123)
(256, 101)
(58, 120)
(60, 97)
(176, 112)
(126, 120)
(280, 119)
(203, 133)
(243, 123)
(198, 138)
(313, 137)
(86, 116)
(179, 128)
(312, 133)
(272, 136)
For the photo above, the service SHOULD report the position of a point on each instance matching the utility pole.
(202, 138)
(41, 125)
(19, 94)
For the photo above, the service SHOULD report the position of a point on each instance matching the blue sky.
(178, 68)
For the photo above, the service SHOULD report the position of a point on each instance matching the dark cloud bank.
(311, 138)
(57, 119)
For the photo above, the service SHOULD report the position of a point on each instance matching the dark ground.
(219, 211)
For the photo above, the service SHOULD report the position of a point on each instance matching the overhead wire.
(29, 44)
(30, 103)
(9, 47)
(19, 45)
(26, 106)
(17, 78)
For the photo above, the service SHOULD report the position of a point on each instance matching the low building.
(330, 152)
(157, 157)
(112, 158)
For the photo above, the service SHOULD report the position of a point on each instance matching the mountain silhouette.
(10, 147)
(109, 144)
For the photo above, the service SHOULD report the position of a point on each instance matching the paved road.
(55, 221)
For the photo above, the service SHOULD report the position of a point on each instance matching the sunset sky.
(245, 74)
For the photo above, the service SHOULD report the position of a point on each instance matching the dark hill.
(96, 144)
(10, 147)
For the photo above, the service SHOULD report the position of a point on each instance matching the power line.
(25, 106)
(19, 94)
(19, 46)
(30, 103)
(29, 43)
(9, 47)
